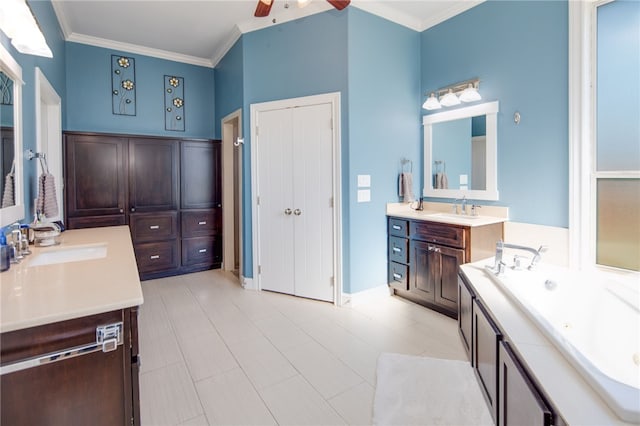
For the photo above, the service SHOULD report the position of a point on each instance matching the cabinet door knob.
(297, 212)
(121, 210)
(155, 256)
(133, 209)
(154, 227)
(202, 222)
(396, 249)
(202, 251)
(287, 212)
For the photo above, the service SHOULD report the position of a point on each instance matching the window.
(605, 103)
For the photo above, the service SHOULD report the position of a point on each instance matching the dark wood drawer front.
(95, 221)
(159, 256)
(154, 227)
(398, 227)
(438, 233)
(399, 249)
(398, 276)
(201, 250)
(200, 223)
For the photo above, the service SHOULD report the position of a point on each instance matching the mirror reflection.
(7, 150)
(459, 154)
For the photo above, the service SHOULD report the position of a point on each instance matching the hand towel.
(445, 181)
(47, 201)
(405, 187)
(8, 194)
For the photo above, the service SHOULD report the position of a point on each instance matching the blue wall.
(229, 84)
(54, 70)
(384, 127)
(519, 50)
(89, 94)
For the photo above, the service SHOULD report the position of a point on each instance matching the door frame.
(49, 134)
(334, 99)
(228, 196)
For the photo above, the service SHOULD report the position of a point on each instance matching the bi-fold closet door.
(295, 180)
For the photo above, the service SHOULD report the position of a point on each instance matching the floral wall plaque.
(174, 103)
(123, 85)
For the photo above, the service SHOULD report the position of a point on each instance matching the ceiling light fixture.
(466, 91)
(19, 24)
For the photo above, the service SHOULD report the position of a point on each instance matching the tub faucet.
(499, 265)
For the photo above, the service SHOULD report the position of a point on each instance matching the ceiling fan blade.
(339, 4)
(263, 8)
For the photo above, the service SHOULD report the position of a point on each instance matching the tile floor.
(215, 354)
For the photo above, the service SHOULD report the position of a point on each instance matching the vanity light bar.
(465, 91)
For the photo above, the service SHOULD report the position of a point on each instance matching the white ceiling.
(200, 32)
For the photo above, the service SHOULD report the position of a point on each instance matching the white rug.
(427, 391)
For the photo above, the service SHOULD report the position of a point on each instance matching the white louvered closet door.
(295, 169)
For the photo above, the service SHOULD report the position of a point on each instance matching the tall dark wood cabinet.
(96, 180)
(168, 191)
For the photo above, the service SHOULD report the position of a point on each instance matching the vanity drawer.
(438, 233)
(158, 256)
(154, 226)
(200, 223)
(398, 227)
(398, 276)
(398, 249)
(201, 250)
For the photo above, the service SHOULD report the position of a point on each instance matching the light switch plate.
(364, 181)
(464, 179)
(364, 195)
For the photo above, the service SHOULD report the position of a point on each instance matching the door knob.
(297, 212)
(287, 212)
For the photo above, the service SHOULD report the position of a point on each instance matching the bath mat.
(414, 390)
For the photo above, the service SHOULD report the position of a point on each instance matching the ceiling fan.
(264, 6)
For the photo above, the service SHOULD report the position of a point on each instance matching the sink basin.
(70, 254)
(454, 216)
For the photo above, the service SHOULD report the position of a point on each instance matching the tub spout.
(499, 265)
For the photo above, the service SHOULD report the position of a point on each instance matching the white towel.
(405, 187)
(7, 195)
(47, 201)
(441, 181)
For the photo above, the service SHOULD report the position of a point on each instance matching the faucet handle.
(543, 249)
(474, 209)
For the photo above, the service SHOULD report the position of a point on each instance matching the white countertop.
(577, 402)
(434, 214)
(37, 295)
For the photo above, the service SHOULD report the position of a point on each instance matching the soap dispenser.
(5, 252)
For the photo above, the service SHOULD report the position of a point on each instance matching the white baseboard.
(366, 296)
(248, 283)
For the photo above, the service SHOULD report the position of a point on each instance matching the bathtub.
(593, 319)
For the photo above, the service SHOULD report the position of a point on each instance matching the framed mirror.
(461, 153)
(12, 207)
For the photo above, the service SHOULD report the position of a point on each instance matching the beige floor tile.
(196, 421)
(230, 399)
(355, 405)
(167, 396)
(296, 402)
(158, 351)
(261, 361)
(238, 330)
(206, 355)
(153, 320)
(327, 374)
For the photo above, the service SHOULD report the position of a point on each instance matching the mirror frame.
(11, 68)
(490, 110)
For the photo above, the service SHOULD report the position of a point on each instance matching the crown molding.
(285, 15)
(226, 46)
(62, 19)
(141, 50)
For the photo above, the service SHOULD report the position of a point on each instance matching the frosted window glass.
(618, 223)
(618, 86)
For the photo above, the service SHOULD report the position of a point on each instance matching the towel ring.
(404, 162)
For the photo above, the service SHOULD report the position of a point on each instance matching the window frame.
(583, 171)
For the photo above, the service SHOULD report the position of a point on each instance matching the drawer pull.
(397, 276)
(396, 227)
(154, 256)
(202, 222)
(397, 249)
(202, 251)
(154, 227)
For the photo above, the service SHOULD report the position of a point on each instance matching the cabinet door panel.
(450, 259)
(465, 318)
(153, 174)
(486, 337)
(200, 175)
(425, 269)
(95, 173)
(520, 402)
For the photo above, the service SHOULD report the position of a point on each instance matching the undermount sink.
(454, 216)
(69, 254)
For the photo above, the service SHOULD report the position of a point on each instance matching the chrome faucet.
(499, 265)
(463, 205)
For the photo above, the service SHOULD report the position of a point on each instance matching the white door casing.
(302, 174)
(231, 130)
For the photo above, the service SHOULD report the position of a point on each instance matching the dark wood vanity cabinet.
(465, 317)
(424, 256)
(168, 191)
(485, 340)
(90, 386)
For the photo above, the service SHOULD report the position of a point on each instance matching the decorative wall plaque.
(123, 85)
(174, 103)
